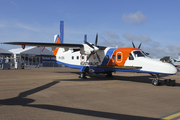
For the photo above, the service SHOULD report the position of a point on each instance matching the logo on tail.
(56, 40)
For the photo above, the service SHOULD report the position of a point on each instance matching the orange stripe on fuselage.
(56, 50)
(124, 54)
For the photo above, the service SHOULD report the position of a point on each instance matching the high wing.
(45, 44)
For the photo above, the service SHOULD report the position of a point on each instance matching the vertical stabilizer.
(62, 31)
(56, 40)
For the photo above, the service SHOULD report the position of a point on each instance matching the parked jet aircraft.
(92, 58)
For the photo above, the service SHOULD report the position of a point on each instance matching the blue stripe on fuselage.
(70, 65)
(105, 70)
(109, 54)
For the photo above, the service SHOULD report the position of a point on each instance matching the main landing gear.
(109, 74)
(83, 75)
(156, 82)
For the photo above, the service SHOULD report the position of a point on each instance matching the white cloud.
(140, 38)
(136, 18)
(148, 45)
(111, 39)
(111, 34)
(13, 3)
(113, 43)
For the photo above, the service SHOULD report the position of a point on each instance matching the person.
(3, 61)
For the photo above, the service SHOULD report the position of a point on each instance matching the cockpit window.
(138, 54)
(146, 54)
(131, 57)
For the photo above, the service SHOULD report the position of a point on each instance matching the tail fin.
(85, 37)
(56, 40)
(59, 39)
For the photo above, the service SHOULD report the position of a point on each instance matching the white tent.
(4, 52)
(32, 51)
(28, 55)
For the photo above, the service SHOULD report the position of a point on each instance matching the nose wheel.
(156, 82)
(168, 82)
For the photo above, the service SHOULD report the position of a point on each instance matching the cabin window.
(77, 57)
(119, 56)
(138, 54)
(114, 57)
(72, 57)
(131, 57)
(82, 57)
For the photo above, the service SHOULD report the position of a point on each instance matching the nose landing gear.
(157, 82)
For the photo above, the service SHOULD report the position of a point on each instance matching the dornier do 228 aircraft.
(93, 59)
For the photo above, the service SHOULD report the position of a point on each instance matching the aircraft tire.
(156, 82)
(109, 74)
(82, 75)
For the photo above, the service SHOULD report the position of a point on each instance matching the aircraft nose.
(172, 69)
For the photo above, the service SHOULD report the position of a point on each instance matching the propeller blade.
(89, 44)
(133, 45)
(89, 57)
(96, 39)
(98, 57)
(93, 57)
(139, 45)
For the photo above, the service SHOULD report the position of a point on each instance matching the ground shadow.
(21, 100)
(137, 78)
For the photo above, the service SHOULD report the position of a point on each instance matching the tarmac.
(58, 94)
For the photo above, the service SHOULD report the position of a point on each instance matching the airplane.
(94, 59)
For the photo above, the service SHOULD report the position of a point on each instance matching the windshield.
(138, 54)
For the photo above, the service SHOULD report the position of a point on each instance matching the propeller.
(135, 47)
(139, 47)
(95, 47)
(96, 39)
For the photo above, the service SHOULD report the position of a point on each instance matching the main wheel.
(82, 75)
(109, 74)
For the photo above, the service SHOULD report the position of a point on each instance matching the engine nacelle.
(86, 50)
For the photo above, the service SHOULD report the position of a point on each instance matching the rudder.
(56, 40)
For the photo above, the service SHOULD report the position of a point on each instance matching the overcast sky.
(155, 23)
